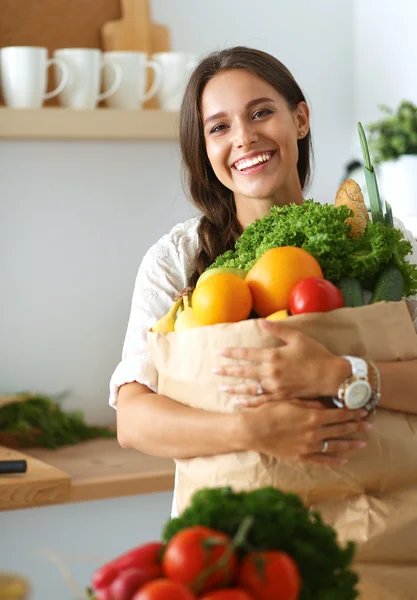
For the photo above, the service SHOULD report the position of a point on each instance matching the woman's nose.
(244, 135)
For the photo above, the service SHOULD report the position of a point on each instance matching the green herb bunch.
(280, 522)
(395, 134)
(320, 229)
(38, 421)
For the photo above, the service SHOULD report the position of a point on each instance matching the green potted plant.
(393, 143)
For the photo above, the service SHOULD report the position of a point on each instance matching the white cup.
(24, 76)
(132, 93)
(85, 67)
(176, 69)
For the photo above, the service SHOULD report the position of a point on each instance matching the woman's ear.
(302, 119)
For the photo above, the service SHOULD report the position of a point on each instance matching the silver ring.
(325, 446)
(260, 390)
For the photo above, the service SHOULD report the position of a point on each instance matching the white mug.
(176, 69)
(24, 76)
(132, 93)
(85, 67)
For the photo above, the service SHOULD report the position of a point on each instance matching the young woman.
(245, 141)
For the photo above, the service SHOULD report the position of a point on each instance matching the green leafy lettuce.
(320, 229)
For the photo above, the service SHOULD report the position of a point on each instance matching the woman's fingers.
(339, 415)
(337, 446)
(341, 430)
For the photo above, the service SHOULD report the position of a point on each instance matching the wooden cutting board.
(41, 485)
(134, 31)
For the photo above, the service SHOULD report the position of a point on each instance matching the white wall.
(77, 217)
(385, 52)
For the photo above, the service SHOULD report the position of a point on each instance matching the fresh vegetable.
(228, 594)
(352, 291)
(164, 589)
(349, 194)
(270, 576)
(314, 294)
(146, 554)
(389, 286)
(121, 577)
(280, 522)
(320, 229)
(194, 550)
(274, 275)
(38, 420)
(103, 594)
(131, 580)
(103, 577)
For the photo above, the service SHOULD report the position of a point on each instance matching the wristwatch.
(357, 391)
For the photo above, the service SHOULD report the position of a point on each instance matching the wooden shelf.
(98, 124)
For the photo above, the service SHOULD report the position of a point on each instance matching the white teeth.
(250, 162)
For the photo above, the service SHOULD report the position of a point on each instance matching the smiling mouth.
(247, 163)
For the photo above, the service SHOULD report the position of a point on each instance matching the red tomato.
(130, 581)
(193, 550)
(103, 577)
(229, 594)
(164, 589)
(315, 295)
(270, 575)
(148, 554)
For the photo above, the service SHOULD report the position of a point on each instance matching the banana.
(187, 319)
(167, 322)
(279, 315)
(230, 270)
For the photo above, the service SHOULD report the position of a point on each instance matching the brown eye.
(262, 113)
(217, 128)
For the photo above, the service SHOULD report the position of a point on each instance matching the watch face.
(357, 394)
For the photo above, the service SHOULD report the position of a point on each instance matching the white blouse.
(163, 273)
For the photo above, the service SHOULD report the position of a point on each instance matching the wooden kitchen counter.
(95, 470)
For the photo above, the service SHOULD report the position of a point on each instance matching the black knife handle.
(12, 466)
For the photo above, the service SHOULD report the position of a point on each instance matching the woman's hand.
(300, 368)
(304, 431)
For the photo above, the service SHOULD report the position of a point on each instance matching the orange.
(274, 275)
(221, 298)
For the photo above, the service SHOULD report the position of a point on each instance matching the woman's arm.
(158, 425)
(399, 385)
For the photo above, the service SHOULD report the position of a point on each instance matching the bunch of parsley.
(280, 521)
(320, 229)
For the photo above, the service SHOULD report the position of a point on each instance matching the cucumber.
(389, 286)
(351, 291)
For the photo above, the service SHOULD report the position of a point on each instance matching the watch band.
(359, 366)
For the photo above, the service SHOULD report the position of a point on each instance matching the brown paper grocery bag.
(373, 499)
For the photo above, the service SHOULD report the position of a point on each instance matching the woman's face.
(251, 137)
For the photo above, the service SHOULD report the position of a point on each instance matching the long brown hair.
(219, 228)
